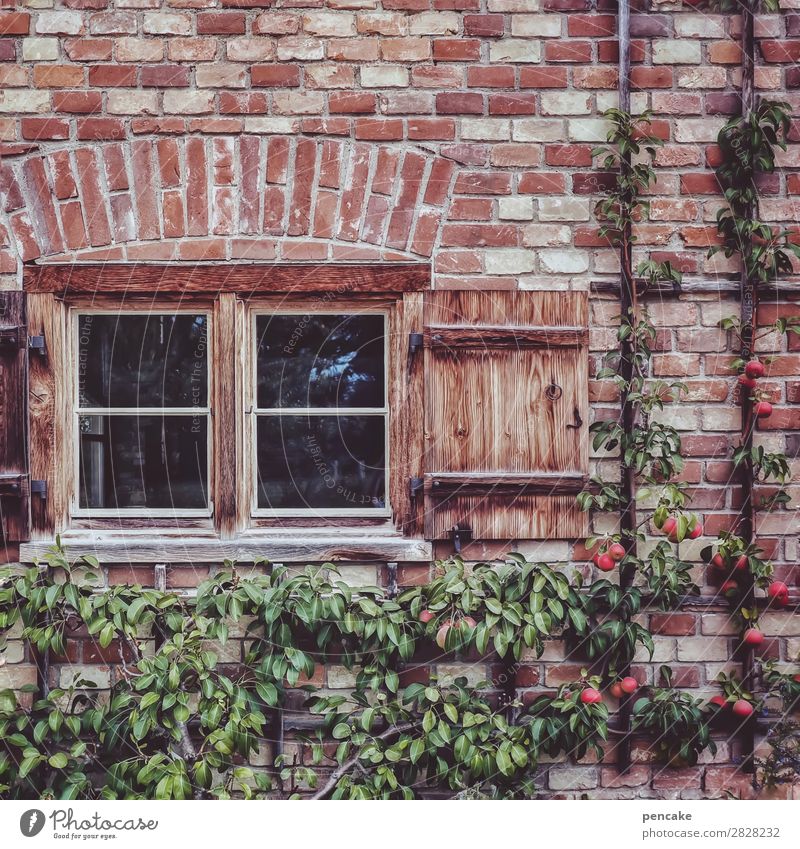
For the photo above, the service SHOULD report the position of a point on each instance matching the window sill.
(279, 547)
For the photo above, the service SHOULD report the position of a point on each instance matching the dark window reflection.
(320, 361)
(321, 462)
(145, 462)
(153, 360)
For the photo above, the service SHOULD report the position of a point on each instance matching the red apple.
(729, 587)
(747, 382)
(797, 679)
(629, 685)
(425, 616)
(469, 621)
(719, 701)
(741, 563)
(616, 690)
(718, 561)
(670, 525)
(741, 707)
(616, 551)
(778, 593)
(441, 635)
(696, 531)
(590, 696)
(753, 637)
(763, 409)
(604, 562)
(754, 369)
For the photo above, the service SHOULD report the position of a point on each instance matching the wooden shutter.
(506, 413)
(14, 466)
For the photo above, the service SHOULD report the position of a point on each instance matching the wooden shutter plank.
(469, 336)
(506, 415)
(50, 416)
(406, 399)
(14, 466)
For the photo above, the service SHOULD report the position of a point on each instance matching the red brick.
(673, 624)
(57, 76)
(112, 76)
(221, 23)
(164, 76)
(353, 197)
(42, 210)
(567, 51)
(410, 183)
(431, 129)
(81, 102)
(379, 129)
(568, 155)
(479, 235)
(540, 183)
(593, 26)
(457, 50)
(477, 183)
(88, 49)
(352, 103)
(74, 228)
(196, 187)
(461, 103)
(645, 78)
(781, 52)
(543, 78)
(63, 179)
(95, 129)
(44, 128)
(275, 76)
(498, 76)
(92, 194)
(485, 26)
(15, 23)
(512, 104)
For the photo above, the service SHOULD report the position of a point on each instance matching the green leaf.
(58, 761)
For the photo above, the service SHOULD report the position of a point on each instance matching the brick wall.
(452, 131)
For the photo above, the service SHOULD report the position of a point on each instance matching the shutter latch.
(39, 488)
(415, 342)
(415, 486)
(36, 345)
(10, 338)
(461, 534)
(13, 486)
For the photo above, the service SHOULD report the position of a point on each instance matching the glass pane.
(322, 462)
(320, 360)
(143, 461)
(154, 360)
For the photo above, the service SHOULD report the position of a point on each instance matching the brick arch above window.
(249, 197)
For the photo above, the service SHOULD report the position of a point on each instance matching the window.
(141, 412)
(322, 413)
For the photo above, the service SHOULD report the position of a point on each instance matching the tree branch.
(343, 768)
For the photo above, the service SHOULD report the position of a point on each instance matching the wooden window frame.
(231, 294)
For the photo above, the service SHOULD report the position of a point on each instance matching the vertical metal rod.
(749, 317)
(43, 659)
(627, 310)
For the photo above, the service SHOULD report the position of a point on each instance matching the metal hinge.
(39, 488)
(415, 342)
(415, 486)
(37, 345)
(461, 534)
